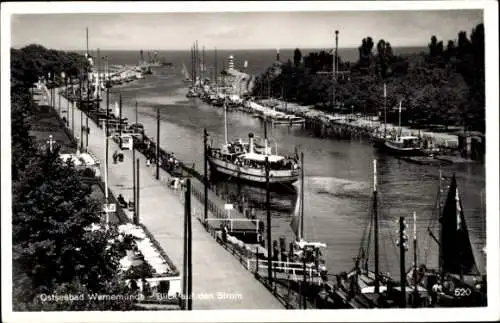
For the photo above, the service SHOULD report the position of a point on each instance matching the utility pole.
(134, 189)
(205, 153)
(334, 78)
(59, 94)
(120, 122)
(67, 100)
(106, 168)
(158, 143)
(189, 246)
(402, 251)
(441, 259)
(302, 195)
(137, 194)
(81, 112)
(72, 115)
(268, 208)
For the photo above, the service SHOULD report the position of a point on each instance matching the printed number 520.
(462, 291)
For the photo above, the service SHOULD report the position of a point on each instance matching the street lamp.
(63, 76)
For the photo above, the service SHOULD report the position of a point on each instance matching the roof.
(260, 157)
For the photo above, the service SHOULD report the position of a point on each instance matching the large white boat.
(247, 162)
(244, 162)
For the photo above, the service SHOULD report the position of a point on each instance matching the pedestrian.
(148, 162)
(115, 156)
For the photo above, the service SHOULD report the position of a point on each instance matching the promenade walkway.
(219, 280)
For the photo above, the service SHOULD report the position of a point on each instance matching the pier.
(162, 212)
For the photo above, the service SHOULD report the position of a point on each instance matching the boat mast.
(375, 215)
(225, 120)
(216, 75)
(400, 130)
(265, 136)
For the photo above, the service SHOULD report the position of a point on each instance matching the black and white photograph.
(311, 158)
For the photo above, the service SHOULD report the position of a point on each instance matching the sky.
(238, 30)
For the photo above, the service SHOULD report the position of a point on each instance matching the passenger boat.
(246, 163)
(403, 146)
(234, 160)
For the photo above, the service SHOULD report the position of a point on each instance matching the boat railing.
(295, 269)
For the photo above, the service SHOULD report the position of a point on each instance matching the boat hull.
(397, 151)
(251, 175)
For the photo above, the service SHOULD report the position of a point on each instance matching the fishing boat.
(366, 288)
(310, 254)
(457, 282)
(236, 160)
(403, 146)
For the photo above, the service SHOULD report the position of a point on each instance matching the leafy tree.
(53, 250)
(52, 247)
(297, 57)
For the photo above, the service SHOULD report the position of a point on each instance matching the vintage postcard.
(175, 161)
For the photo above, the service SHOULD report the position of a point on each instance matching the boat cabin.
(254, 160)
(406, 142)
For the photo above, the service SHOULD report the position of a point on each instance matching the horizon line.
(208, 50)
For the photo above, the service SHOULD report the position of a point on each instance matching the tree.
(297, 57)
(52, 246)
(53, 250)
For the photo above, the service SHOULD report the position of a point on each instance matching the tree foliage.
(443, 86)
(53, 252)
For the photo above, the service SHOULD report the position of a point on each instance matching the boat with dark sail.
(457, 282)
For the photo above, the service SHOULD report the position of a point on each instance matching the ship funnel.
(250, 143)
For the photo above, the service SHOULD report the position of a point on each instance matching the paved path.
(219, 280)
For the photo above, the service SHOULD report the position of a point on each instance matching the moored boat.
(403, 146)
(245, 162)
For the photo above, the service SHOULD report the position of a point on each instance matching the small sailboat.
(458, 281)
(403, 145)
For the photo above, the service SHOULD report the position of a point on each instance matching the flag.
(295, 222)
(385, 90)
(400, 106)
(245, 65)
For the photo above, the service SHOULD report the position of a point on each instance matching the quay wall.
(215, 203)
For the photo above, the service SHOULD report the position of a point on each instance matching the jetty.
(162, 212)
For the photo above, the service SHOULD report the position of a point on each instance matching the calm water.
(338, 174)
(258, 60)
